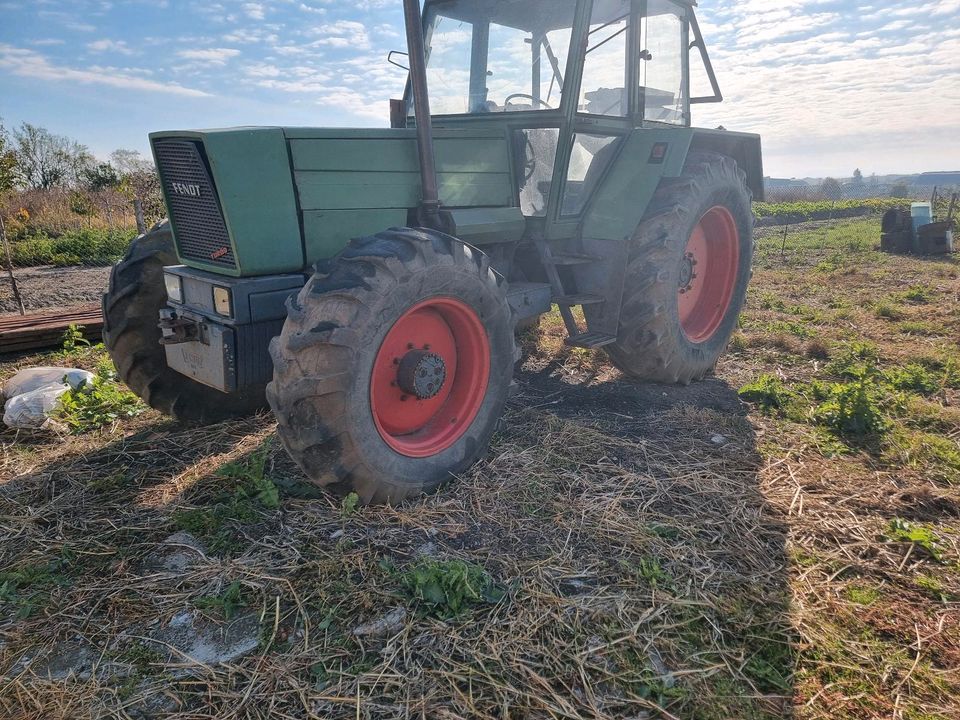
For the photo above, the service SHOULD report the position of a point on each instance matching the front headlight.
(221, 301)
(174, 285)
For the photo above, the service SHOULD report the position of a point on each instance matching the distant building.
(778, 183)
(943, 179)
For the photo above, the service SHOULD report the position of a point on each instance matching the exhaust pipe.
(430, 204)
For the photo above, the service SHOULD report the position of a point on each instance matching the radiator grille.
(192, 201)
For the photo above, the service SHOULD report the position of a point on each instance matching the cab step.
(574, 258)
(590, 340)
(581, 299)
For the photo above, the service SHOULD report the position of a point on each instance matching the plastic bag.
(35, 378)
(32, 410)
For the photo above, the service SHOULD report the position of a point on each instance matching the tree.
(45, 160)
(130, 162)
(900, 190)
(831, 189)
(102, 176)
(8, 162)
(858, 177)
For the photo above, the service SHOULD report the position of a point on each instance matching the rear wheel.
(131, 313)
(688, 273)
(394, 365)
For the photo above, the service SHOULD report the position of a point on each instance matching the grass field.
(779, 541)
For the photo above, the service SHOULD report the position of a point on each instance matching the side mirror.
(394, 62)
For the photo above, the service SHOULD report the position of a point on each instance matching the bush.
(80, 247)
(796, 212)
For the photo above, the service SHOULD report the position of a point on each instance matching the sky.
(831, 85)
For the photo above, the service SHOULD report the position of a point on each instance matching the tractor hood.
(259, 201)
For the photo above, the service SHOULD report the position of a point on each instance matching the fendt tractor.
(367, 283)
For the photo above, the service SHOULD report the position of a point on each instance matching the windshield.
(486, 56)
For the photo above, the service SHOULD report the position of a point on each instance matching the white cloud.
(106, 45)
(254, 10)
(210, 56)
(27, 63)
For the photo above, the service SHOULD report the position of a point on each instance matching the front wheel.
(688, 273)
(394, 365)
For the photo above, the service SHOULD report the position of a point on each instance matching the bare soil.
(53, 287)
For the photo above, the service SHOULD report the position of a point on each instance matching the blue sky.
(830, 84)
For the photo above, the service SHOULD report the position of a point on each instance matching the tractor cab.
(568, 80)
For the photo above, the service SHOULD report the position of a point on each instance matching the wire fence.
(61, 242)
(834, 191)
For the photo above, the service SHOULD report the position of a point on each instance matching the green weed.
(251, 491)
(920, 294)
(887, 310)
(913, 378)
(788, 327)
(862, 595)
(851, 409)
(854, 360)
(915, 327)
(767, 392)
(446, 588)
(74, 340)
(349, 504)
(226, 603)
(103, 401)
(922, 536)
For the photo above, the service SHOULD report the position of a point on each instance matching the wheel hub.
(687, 274)
(421, 374)
(430, 377)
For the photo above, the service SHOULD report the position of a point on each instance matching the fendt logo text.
(184, 189)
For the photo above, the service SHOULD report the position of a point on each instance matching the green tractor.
(367, 283)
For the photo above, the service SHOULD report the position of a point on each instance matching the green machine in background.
(366, 283)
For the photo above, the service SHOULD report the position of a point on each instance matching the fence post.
(138, 212)
(13, 278)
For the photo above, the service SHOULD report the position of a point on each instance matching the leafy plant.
(913, 378)
(447, 588)
(97, 403)
(767, 391)
(852, 409)
(253, 479)
(74, 340)
(920, 535)
(349, 504)
(855, 360)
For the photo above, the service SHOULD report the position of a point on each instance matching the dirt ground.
(624, 551)
(53, 287)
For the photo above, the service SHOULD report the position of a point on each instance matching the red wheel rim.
(708, 274)
(443, 328)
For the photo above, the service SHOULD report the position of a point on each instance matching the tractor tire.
(394, 365)
(131, 313)
(687, 275)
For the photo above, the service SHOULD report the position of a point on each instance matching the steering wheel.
(531, 98)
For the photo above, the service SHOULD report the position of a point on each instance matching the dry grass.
(662, 553)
